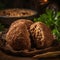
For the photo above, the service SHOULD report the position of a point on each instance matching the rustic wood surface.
(4, 56)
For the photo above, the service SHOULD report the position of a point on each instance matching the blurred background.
(38, 5)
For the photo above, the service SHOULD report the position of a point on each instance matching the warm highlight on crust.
(46, 39)
(18, 37)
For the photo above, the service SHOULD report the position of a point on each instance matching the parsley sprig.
(52, 20)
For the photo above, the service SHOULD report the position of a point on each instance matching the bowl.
(7, 16)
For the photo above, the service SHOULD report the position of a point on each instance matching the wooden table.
(4, 56)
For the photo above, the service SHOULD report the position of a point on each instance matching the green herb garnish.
(52, 20)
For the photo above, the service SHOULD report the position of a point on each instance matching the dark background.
(23, 3)
(30, 4)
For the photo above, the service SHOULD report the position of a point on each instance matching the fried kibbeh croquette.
(41, 35)
(18, 36)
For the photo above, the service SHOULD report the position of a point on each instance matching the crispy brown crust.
(41, 35)
(18, 37)
(26, 22)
